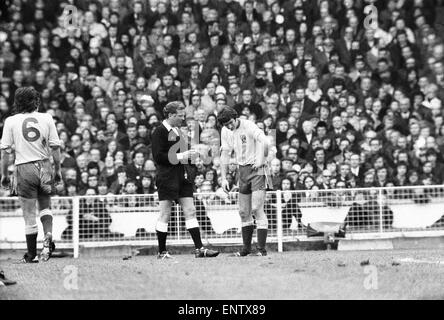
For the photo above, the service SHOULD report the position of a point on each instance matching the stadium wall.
(372, 218)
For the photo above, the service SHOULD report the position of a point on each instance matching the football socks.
(247, 236)
(261, 238)
(31, 243)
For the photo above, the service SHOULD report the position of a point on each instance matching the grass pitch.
(406, 274)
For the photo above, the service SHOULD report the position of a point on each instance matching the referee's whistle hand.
(193, 153)
(190, 154)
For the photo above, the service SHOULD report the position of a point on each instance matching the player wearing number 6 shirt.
(33, 138)
(250, 146)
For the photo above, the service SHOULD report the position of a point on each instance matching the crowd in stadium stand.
(344, 105)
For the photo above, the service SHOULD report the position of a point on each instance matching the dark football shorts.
(34, 179)
(174, 188)
(253, 180)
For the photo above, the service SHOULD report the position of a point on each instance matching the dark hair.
(138, 151)
(131, 125)
(294, 137)
(120, 169)
(102, 182)
(167, 74)
(147, 174)
(291, 182)
(309, 177)
(78, 135)
(212, 75)
(149, 118)
(71, 183)
(226, 115)
(431, 152)
(127, 182)
(172, 108)
(214, 182)
(322, 124)
(212, 115)
(402, 163)
(93, 165)
(142, 123)
(185, 84)
(26, 100)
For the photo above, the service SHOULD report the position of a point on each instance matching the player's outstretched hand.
(5, 182)
(225, 185)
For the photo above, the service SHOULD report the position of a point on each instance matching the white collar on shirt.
(168, 127)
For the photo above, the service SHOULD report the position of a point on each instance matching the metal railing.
(95, 221)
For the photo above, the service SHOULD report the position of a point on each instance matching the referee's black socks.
(195, 235)
(247, 236)
(162, 232)
(161, 239)
(193, 228)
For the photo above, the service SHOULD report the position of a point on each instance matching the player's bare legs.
(162, 228)
(47, 220)
(247, 222)
(192, 226)
(45, 213)
(29, 213)
(258, 199)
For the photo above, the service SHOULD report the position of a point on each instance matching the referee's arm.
(162, 154)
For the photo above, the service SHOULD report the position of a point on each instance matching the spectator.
(118, 185)
(94, 217)
(369, 99)
(134, 170)
(147, 183)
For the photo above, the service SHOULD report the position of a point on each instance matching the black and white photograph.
(223, 156)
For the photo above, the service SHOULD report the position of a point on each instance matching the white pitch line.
(419, 261)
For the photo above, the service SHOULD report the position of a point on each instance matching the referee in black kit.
(175, 182)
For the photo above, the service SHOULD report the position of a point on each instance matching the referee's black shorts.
(172, 185)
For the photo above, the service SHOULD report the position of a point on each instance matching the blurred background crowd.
(344, 105)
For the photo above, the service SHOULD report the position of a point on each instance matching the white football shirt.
(30, 135)
(243, 141)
